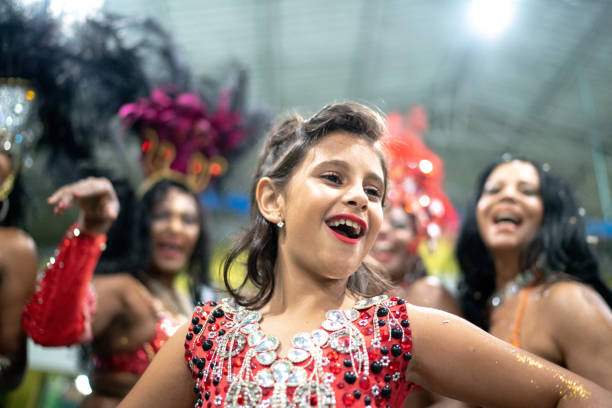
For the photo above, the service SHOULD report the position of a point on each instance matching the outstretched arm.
(455, 358)
(59, 313)
(167, 381)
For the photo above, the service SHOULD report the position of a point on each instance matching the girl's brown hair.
(284, 149)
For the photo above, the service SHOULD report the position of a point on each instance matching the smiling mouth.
(346, 228)
(505, 218)
(168, 249)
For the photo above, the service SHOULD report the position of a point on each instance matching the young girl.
(316, 332)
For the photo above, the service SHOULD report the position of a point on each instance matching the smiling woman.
(128, 313)
(529, 276)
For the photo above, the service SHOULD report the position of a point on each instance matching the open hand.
(96, 199)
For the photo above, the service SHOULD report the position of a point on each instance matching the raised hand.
(96, 199)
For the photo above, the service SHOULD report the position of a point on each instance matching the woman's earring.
(280, 224)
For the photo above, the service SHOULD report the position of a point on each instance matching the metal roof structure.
(542, 88)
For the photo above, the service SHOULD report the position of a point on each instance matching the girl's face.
(174, 231)
(510, 209)
(394, 242)
(333, 206)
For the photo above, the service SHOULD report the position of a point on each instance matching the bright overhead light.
(490, 18)
(73, 10)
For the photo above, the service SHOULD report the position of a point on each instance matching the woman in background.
(417, 211)
(129, 314)
(18, 264)
(529, 276)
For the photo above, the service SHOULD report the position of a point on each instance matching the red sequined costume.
(61, 310)
(357, 358)
(59, 313)
(137, 361)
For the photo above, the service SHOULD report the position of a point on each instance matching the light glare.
(491, 17)
(82, 384)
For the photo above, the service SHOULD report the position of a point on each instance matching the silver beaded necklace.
(519, 282)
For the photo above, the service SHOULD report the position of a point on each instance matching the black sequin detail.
(382, 312)
(405, 323)
(386, 391)
(211, 319)
(207, 345)
(384, 350)
(350, 377)
(357, 394)
(407, 356)
(396, 350)
(400, 301)
(195, 320)
(367, 400)
(197, 328)
(387, 377)
(189, 336)
(218, 313)
(376, 367)
(348, 363)
(397, 333)
(382, 322)
(201, 363)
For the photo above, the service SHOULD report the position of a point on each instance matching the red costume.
(357, 358)
(59, 313)
(138, 360)
(61, 310)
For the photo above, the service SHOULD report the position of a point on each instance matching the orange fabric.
(519, 317)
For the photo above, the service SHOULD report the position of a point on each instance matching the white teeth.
(506, 217)
(348, 223)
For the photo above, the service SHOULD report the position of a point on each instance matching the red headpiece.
(181, 139)
(416, 175)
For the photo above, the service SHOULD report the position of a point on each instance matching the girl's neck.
(297, 291)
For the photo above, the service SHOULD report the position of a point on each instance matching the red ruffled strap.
(60, 312)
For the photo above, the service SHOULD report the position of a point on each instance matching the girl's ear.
(270, 201)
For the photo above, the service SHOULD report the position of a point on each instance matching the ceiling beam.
(568, 69)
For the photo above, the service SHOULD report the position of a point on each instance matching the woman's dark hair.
(285, 147)
(560, 245)
(198, 262)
